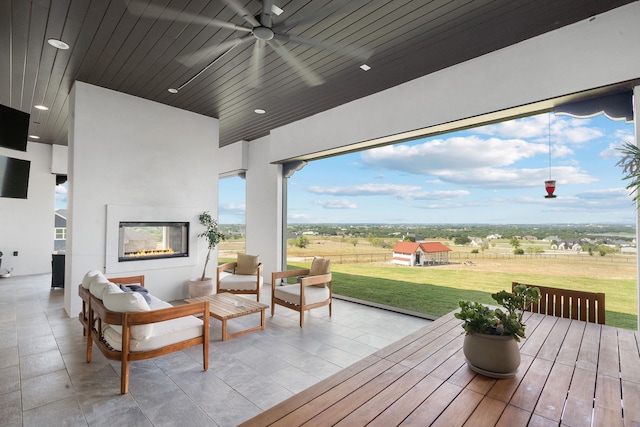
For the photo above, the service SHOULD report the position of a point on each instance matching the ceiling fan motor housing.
(262, 33)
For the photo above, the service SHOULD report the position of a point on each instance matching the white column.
(264, 211)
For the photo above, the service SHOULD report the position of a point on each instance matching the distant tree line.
(452, 232)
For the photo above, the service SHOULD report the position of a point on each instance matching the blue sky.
(491, 174)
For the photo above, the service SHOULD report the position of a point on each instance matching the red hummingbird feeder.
(550, 184)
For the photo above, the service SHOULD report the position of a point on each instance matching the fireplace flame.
(150, 252)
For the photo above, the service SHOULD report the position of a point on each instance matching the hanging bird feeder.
(550, 184)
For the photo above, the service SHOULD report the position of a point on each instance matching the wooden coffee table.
(222, 307)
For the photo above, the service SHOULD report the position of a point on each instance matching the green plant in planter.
(630, 163)
(481, 319)
(212, 234)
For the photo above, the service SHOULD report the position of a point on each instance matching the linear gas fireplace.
(139, 241)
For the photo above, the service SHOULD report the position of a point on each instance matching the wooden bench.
(101, 325)
(579, 305)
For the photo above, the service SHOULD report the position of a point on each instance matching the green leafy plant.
(211, 233)
(481, 319)
(630, 163)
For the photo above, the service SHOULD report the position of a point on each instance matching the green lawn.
(437, 292)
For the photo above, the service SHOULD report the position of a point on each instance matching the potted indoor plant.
(204, 285)
(492, 334)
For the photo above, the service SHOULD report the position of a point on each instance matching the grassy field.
(436, 290)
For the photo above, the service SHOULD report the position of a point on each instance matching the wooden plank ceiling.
(142, 51)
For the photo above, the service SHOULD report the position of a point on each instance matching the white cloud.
(299, 216)
(528, 127)
(434, 195)
(453, 153)
(558, 151)
(365, 190)
(576, 134)
(513, 178)
(611, 152)
(605, 194)
(563, 130)
(60, 195)
(232, 208)
(61, 191)
(336, 204)
(403, 192)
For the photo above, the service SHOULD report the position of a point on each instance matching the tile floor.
(45, 380)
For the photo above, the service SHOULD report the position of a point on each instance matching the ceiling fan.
(262, 31)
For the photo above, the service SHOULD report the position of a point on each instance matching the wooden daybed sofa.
(130, 326)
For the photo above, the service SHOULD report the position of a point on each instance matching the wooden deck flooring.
(572, 373)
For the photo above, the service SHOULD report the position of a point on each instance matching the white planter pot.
(200, 288)
(492, 355)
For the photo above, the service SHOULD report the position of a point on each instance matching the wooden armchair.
(126, 326)
(245, 276)
(311, 291)
(579, 305)
(85, 295)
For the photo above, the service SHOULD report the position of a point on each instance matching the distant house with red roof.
(425, 253)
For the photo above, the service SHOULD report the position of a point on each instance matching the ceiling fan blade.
(309, 77)
(145, 10)
(266, 19)
(213, 51)
(244, 13)
(254, 73)
(360, 53)
(239, 41)
(343, 7)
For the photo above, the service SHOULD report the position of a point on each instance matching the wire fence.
(461, 257)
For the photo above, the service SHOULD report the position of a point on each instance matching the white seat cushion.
(291, 294)
(156, 303)
(239, 282)
(115, 299)
(164, 333)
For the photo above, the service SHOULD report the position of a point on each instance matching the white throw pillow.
(111, 288)
(89, 277)
(97, 286)
(123, 302)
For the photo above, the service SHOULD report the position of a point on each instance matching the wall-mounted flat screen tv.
(14, 128)
(14, 177)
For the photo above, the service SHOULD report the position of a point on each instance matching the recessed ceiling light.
(41, 107)
(365, 67)
(172, 90)
(58, 44)
(34, 137)
(259, 111)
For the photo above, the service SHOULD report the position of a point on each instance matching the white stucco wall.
(157, 161)
(264, 208)
(27, 224)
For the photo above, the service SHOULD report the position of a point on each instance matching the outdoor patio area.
(45, 380)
